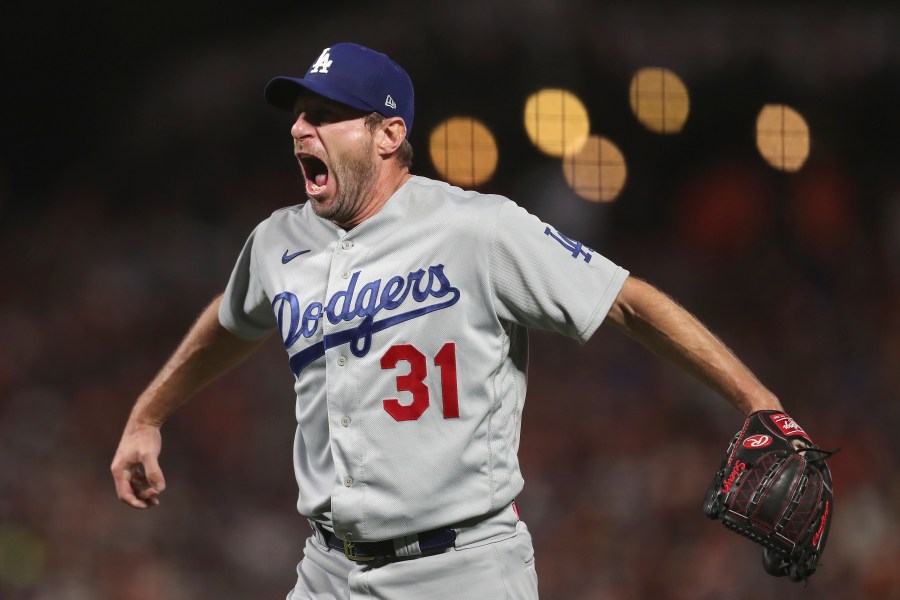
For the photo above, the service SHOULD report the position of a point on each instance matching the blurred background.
(741, 156)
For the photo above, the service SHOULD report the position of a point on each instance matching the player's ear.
(392, 133)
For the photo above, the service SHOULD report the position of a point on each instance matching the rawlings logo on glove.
(774, 488)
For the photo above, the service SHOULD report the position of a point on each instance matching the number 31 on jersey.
(414, 381)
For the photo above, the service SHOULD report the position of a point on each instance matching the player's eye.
(326, 114)
(316, 116)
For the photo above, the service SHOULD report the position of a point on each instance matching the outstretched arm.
(206, 352)
(662, 325)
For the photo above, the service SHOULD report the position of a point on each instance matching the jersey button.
(346, 245)
(348, 481)
(345, 275)
(345, 421)
(341, 361)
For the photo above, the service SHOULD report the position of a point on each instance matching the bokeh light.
(556, 121)
(821, 207)
(724, 210)
(597, 172)
(659, 100)
(782, 137)
(22, 557)
(463, 151)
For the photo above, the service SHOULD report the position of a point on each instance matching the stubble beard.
(354, 176)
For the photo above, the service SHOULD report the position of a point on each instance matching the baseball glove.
(774, 488)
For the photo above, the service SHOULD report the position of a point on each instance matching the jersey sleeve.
(245, 309)
(543, 279)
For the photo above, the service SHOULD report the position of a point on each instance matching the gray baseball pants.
(500, 567)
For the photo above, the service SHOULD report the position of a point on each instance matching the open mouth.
(315, 171)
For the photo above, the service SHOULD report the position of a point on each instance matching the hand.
(135, 467)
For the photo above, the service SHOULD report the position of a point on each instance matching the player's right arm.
(206, 352)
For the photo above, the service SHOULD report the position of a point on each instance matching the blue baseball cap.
(353, 75)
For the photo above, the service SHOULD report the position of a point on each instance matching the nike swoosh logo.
(289, 257)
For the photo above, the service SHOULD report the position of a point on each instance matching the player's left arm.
(661, 324)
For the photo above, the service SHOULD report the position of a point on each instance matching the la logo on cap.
(323, 63)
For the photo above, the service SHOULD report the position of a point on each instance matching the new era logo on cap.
(353, 75)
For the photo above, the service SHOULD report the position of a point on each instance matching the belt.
(410, 546)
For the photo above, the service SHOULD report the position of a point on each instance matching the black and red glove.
(774, 488)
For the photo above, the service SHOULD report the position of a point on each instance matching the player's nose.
(301, 127)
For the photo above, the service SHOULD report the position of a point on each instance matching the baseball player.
(403, 304)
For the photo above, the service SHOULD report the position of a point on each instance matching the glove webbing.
(794, 502)
(765, 541)
(763, 484)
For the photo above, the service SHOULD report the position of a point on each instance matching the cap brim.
(282, 93)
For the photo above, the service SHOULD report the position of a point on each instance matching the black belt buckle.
(348, 552)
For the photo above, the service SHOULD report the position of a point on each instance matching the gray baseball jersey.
(407, 338)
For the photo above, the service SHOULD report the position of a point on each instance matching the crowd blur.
(108, 266)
